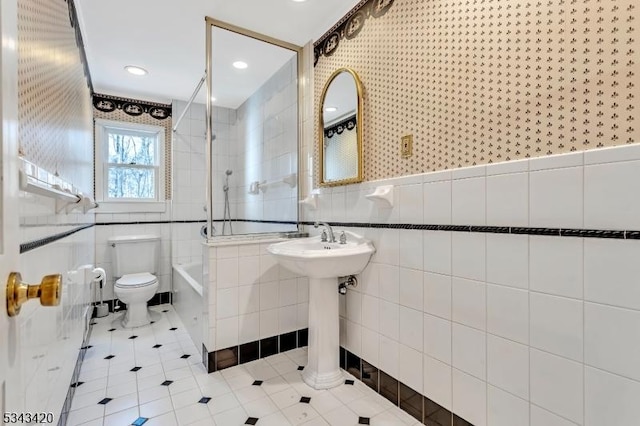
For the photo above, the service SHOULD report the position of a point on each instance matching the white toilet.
(135, 261)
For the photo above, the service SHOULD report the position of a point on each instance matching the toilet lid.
(136, 280)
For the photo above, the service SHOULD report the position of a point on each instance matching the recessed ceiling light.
(136, 70)
(331, 109)
(213, 99)
(299, 1)
(240, 65)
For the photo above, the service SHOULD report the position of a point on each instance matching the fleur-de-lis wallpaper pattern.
(486, 81)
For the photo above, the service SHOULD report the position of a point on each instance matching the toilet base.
(137, 315)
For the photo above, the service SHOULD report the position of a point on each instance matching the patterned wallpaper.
(119, 114)
(54, 111)
(487, 81)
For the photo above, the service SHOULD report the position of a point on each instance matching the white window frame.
(128, 205)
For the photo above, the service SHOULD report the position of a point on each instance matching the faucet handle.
(343, 238)
(323, 236)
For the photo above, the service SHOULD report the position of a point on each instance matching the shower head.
(229, 172)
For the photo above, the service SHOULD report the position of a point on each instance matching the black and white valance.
(340, 127)
(132, 107)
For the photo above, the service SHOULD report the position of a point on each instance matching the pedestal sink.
(323, 263)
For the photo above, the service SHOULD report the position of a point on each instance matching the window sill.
(116, 207)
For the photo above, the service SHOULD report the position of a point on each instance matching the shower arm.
(186, 108)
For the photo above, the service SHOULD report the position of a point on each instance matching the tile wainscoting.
(503, 293)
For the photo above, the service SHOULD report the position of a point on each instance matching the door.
(10, 398)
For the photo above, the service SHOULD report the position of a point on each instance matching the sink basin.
(324, 263)
(316, 259)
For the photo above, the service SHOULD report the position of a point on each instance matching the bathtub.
(188, 301)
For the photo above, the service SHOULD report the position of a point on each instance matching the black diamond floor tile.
(204, 400)
(257, 383)
(173, 328)
(251, 421)
(109, 357)
(93, 323)
(153, 322)
(133, 337)
(76, 384)
(349, 382)
(166, 383)
(185, 356)
(139, 421)
(300, 368)
(305, 400)
(364, 421)
(157, 346)
(105, 401)
(165, 311)
(134, 369)
(112, 329)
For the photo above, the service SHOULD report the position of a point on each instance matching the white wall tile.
(437, 295)
(611, 272)
(437, 203)
(389, 356)
(437, 338)
(504, 409)
(354, 337)
(411, 288)
(249, 270)
(508, 200)
(437, 381)
(389, 247)
(508, 260)
(469, 303)
(508, 313)
(268, 323)
(469, 398)
(389, 283)
(610, 399)
(411, 255)
(411, 204)
(227, 273)
(556, 265)
(390, 320)
(468, 255)
(354, 306)
(469, 350)
(437, 252)
(611, 339)
(557, 385)
(249, 328)
(508, 366)
(410, 372)
(411, 323)
(269, 298)
(556, 198)
(227, 303)
(248, 299)
(557, 325)
(371, 312)
(573, 159)
(607, 200)
(468, 201)
(542, 417)
(227, 333)
(288, 292)
(370, 346)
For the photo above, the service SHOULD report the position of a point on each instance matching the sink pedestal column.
(323, 367)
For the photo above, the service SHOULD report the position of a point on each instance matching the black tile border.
(32, 245)
(247, 352)
(513, 230)
(168, 222)
(161, 298)
(399, 394)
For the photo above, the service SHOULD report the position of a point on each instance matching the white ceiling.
(342, 95)
(167, 38)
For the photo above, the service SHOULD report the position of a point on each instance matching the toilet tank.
(132, 254)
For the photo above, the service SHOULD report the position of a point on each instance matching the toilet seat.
(144, 279)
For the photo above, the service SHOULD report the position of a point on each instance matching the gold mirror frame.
(360, 92)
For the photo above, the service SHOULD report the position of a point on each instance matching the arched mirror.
(341, 129)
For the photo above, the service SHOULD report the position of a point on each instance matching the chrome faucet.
(332, 238)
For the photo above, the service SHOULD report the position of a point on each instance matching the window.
(129, 162)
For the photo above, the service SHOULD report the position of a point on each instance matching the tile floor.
(153, 376)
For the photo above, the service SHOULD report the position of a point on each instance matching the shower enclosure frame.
(210, 23)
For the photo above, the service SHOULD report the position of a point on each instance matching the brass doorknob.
(48, 291)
